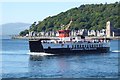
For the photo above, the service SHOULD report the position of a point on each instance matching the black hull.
(36, 46)
(65, 51)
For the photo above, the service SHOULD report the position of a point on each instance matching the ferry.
(65, 44)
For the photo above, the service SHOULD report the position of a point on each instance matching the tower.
(108, 30)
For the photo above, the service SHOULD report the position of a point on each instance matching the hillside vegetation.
(89, 16)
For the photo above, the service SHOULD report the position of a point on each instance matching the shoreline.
(21, 37)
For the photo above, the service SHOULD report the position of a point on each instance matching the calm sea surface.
(16, 63)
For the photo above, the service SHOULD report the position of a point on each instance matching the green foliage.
(23, 33)
(90, 16)
(33, 27)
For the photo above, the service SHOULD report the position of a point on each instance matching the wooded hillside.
(89, 16)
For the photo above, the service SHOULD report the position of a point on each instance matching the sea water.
(16, 63)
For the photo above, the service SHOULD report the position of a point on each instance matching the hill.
(89, 16)
(13, 28)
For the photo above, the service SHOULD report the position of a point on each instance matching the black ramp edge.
(35, 46)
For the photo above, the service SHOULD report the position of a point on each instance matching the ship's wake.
(39, 53)
(116, 51)
(18, 52)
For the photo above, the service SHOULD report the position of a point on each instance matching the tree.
(23, 33)
(89, 16)
(33, 27)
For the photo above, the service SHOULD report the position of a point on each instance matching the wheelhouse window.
(82, 45)
(67, 46)
(72, 46)
(75, 46)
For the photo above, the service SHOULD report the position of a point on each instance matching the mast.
(68, 26)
